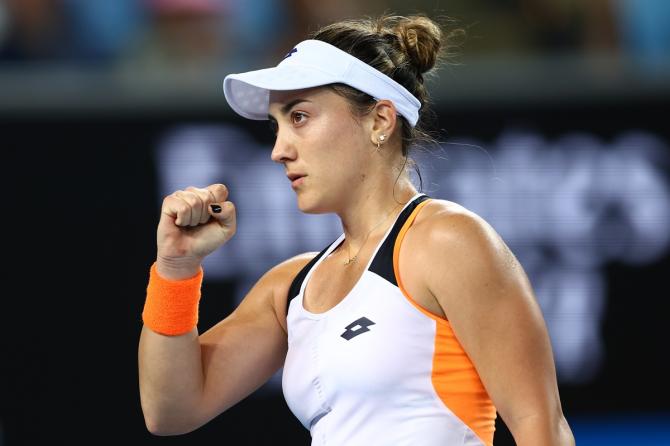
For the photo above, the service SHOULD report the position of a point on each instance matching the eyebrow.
(285, 108)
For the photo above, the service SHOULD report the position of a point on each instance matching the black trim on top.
(382, 264)
(294, 289)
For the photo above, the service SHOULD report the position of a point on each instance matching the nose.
(283, 149)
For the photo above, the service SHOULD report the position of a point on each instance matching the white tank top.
(378, 369)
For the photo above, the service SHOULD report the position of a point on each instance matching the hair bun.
(421, 39)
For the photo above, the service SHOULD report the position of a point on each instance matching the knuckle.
(203, 195)
(199, 192)
(183, 210)
(172, 201)
(191, 198)
(220, 189)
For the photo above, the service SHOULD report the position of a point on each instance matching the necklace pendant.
(351, 260)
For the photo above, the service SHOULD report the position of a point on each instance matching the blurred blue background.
(552, 122)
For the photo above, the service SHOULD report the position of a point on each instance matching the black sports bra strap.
(294, 289)
(382, 264)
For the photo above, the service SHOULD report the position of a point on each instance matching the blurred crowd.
(196, 33)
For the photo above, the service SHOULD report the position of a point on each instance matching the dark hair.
(405, 49)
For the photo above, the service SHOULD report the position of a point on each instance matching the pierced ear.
(385, 118)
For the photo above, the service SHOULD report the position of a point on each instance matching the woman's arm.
(187, 380)
(489, 302)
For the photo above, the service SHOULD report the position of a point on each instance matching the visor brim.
(249, 93)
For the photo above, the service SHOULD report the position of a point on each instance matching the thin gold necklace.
(354, 258)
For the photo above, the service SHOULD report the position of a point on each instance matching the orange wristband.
(171, 306)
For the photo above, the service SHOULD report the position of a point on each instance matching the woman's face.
(318, 137)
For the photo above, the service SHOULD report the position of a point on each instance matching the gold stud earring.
(382, 137)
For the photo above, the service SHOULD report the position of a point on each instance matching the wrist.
(171, 305)
(177, 268)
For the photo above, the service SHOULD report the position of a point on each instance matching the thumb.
(223, 212)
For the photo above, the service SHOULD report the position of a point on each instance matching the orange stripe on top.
(454, 376)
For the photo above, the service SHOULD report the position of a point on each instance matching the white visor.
(313, 63)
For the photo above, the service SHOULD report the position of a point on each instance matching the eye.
(298, 117)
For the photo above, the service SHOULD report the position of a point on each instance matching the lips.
(296, 179)
(294, 176)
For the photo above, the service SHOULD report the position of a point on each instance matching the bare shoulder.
(461, 252)
(269, 293)
(443, 221)
(280, 278)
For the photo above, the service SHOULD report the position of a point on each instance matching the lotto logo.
(357, 327)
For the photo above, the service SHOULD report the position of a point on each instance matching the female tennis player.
(416, 326)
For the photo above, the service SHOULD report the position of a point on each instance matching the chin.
(311, 205)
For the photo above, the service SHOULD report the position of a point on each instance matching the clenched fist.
(193, 224)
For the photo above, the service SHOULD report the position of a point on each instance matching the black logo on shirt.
(357, 327)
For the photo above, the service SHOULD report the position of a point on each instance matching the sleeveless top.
(377, 368)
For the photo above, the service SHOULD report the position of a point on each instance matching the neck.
(372, 211)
